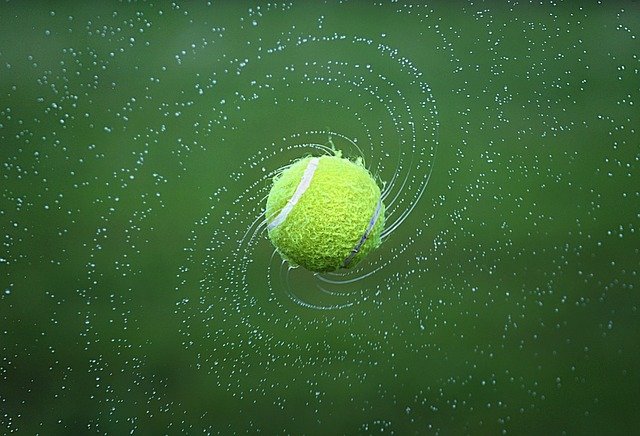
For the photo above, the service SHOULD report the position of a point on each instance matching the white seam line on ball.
(365, 236)
(302, 187)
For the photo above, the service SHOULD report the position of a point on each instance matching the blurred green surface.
(137, 142)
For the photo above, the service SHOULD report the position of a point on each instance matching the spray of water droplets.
(140, 291)
(338, 90)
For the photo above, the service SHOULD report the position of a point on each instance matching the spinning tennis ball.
(325, 213)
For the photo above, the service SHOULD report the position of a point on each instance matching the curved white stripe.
(302, 187)
(365, 236)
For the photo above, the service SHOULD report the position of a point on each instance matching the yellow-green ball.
(336, 220)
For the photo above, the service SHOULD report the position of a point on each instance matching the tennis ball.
(325, 213)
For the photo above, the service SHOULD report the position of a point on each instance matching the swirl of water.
(387, 117)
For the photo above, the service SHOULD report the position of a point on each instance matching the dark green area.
(135, 143)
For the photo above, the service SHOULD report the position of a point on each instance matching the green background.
(139, 291)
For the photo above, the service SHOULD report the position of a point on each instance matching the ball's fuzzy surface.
(325, 213)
